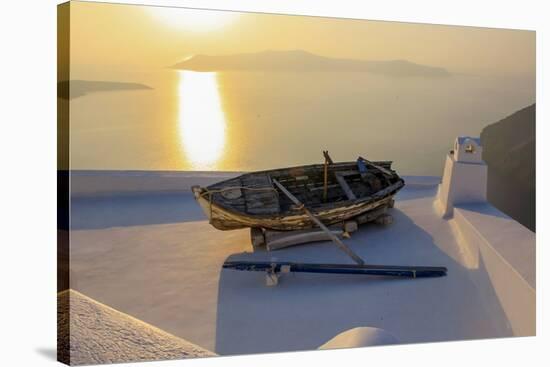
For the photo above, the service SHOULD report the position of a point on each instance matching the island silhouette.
(79, 88)
(303, 61)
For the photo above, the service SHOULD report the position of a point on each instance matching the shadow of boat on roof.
(306, 310)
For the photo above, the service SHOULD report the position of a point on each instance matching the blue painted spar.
(381, 270)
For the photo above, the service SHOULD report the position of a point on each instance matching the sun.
(193, 20)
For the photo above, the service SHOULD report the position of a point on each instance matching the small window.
(470, 148)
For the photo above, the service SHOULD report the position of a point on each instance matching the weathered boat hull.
(224, 217)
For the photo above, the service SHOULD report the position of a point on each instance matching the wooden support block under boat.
(350, 226)
(257, 237)
(384, 219)
(371, 216)
(276, 240)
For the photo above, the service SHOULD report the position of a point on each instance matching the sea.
(253, 120)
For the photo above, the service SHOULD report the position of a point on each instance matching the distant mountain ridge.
(303, 61)
(509, 149)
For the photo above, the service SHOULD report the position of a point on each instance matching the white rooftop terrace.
(140, 244)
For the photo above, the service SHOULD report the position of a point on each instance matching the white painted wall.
(464, 177)
(499, 251)
(506, 262)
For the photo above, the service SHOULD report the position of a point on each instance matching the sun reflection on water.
(201, 119)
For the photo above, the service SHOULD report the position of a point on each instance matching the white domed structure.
(360, 337)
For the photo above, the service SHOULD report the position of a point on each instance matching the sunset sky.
(218, 119)
(107, 35)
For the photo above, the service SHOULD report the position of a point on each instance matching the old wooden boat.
(332, 192)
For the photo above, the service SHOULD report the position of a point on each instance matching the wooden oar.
(328, 161)
(386, 270)
(316, 220)
(382, 169)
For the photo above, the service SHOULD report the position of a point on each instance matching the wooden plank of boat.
(341, 178)
(260, 197)
(335, 239)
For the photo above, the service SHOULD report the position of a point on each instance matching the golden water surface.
(201, 120)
